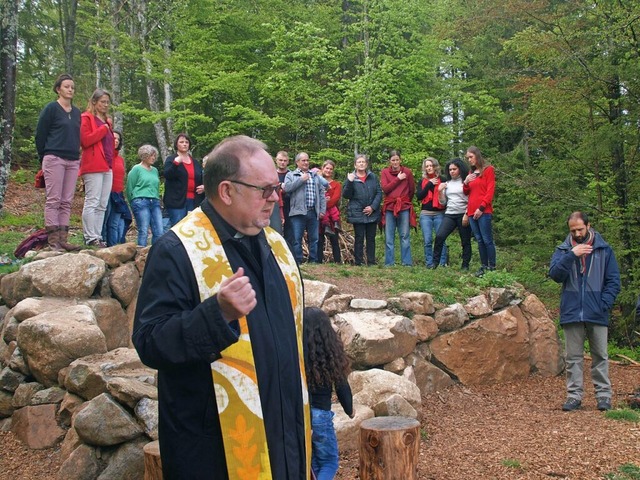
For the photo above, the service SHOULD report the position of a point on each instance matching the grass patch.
(628, 471)
(14, 222)
(623, 414)
(511, 463)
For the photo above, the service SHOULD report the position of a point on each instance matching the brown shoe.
(64, 236)
(53, 238)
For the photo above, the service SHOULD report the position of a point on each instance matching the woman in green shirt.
(143, 192)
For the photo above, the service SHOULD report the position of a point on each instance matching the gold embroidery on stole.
(234, 375)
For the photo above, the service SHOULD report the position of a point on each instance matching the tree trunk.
(168, 92)
(114, 47)
(152, 461)
(389, 448)
(152, 95)
(8, 48)
(620, 171)
(67, 17)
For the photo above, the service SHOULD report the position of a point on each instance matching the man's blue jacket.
(586, 297)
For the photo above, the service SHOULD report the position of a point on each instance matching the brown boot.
(64, 235)
(53, 238)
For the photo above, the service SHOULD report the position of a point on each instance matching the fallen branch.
(630, 360)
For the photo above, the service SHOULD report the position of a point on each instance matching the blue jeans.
(429, 224)
(115, 226)
(147, 212)
(310, 223)
(177, 214)
(402, 223)
(105, 224)
(324, 444)
(483, 232)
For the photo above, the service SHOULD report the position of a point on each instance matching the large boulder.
(428, 377)
(348, 429)
(37, 427)
(127, 462)
(124, 283)
(337, 304)
(82, 464)
(15, 287)
(129, 391)
(395, 406)
(147, 412)
(69, 275)
(546, 357)
(426, 327)
(6, 404)
(30, 307)
(370, 387)
(315, 293)
(478, 306)
(490, 350)
(89, 376)
(420, 303)
(112, 321)
(117, 254)
(52, 340)
(451, 318)
(375, 338)
(104, 422)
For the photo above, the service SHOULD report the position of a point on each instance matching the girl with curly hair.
(327, 367)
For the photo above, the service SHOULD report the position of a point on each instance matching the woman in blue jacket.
(362, 189)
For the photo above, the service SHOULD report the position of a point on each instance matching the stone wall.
(69, 374)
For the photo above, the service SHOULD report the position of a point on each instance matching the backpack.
(35, 241)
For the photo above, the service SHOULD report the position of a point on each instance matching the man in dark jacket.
(219, 315)
(586, 266)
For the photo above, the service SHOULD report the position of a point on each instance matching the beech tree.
(8, 47)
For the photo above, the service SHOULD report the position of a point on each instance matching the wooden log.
(152, 461)
(389, 448)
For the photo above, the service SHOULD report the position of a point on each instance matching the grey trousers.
(97, 190)
(574, 334)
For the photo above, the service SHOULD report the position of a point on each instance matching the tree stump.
(389, 448)
(152, 462)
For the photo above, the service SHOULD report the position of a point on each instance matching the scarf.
(234, 375)
(432, 195)
(583, 258)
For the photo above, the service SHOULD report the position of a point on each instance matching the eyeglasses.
(266, 191)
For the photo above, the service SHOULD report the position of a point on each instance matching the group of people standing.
(460, 198)
(72, 144)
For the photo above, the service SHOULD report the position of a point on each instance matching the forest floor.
(507, 431)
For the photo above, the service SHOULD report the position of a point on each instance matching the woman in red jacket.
(98, 147)
(118, 215)
(480, 185)
(399, 187)
(330, 223)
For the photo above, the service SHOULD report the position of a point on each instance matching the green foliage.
(628, 471)
(623, 414)
(22, 176)
(615, 352)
